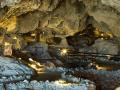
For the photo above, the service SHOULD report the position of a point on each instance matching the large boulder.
(106, 47)
(27, 23)
(39, 50)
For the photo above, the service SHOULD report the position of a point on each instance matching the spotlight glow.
(64, 51)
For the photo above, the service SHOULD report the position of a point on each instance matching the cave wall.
(65, 17)
(62, 16)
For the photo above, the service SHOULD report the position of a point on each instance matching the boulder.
(39, 50)
(106, 47)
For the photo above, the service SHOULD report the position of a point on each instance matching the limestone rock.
(113, 3)
(105, 47)
(67, 16)
(105, 12)
(9, 2)
(27, 23)
(10, 67)
(39, 50)
(62, 16)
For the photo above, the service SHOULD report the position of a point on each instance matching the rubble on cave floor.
(15, 75)
(12, 70)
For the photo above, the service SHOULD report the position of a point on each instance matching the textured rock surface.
(11, 70)
(9, 67)
(39, 51)
(9, 2)
(106, 13)
(105, 47)
(61, 16)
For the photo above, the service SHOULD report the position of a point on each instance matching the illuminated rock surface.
(64, 17)
(61, 16)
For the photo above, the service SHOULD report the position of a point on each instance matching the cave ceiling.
(62, 16)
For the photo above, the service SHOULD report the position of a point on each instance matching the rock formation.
(65, 17)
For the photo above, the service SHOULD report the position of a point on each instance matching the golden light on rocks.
(7, 49)
(103, 35)
(100, 68)
(110, 34)
(15, 37)
(36, 66)
(7, 43)
(62, 83)
(9, 24)
(97, 32)
(33, 34)
(64, 51)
